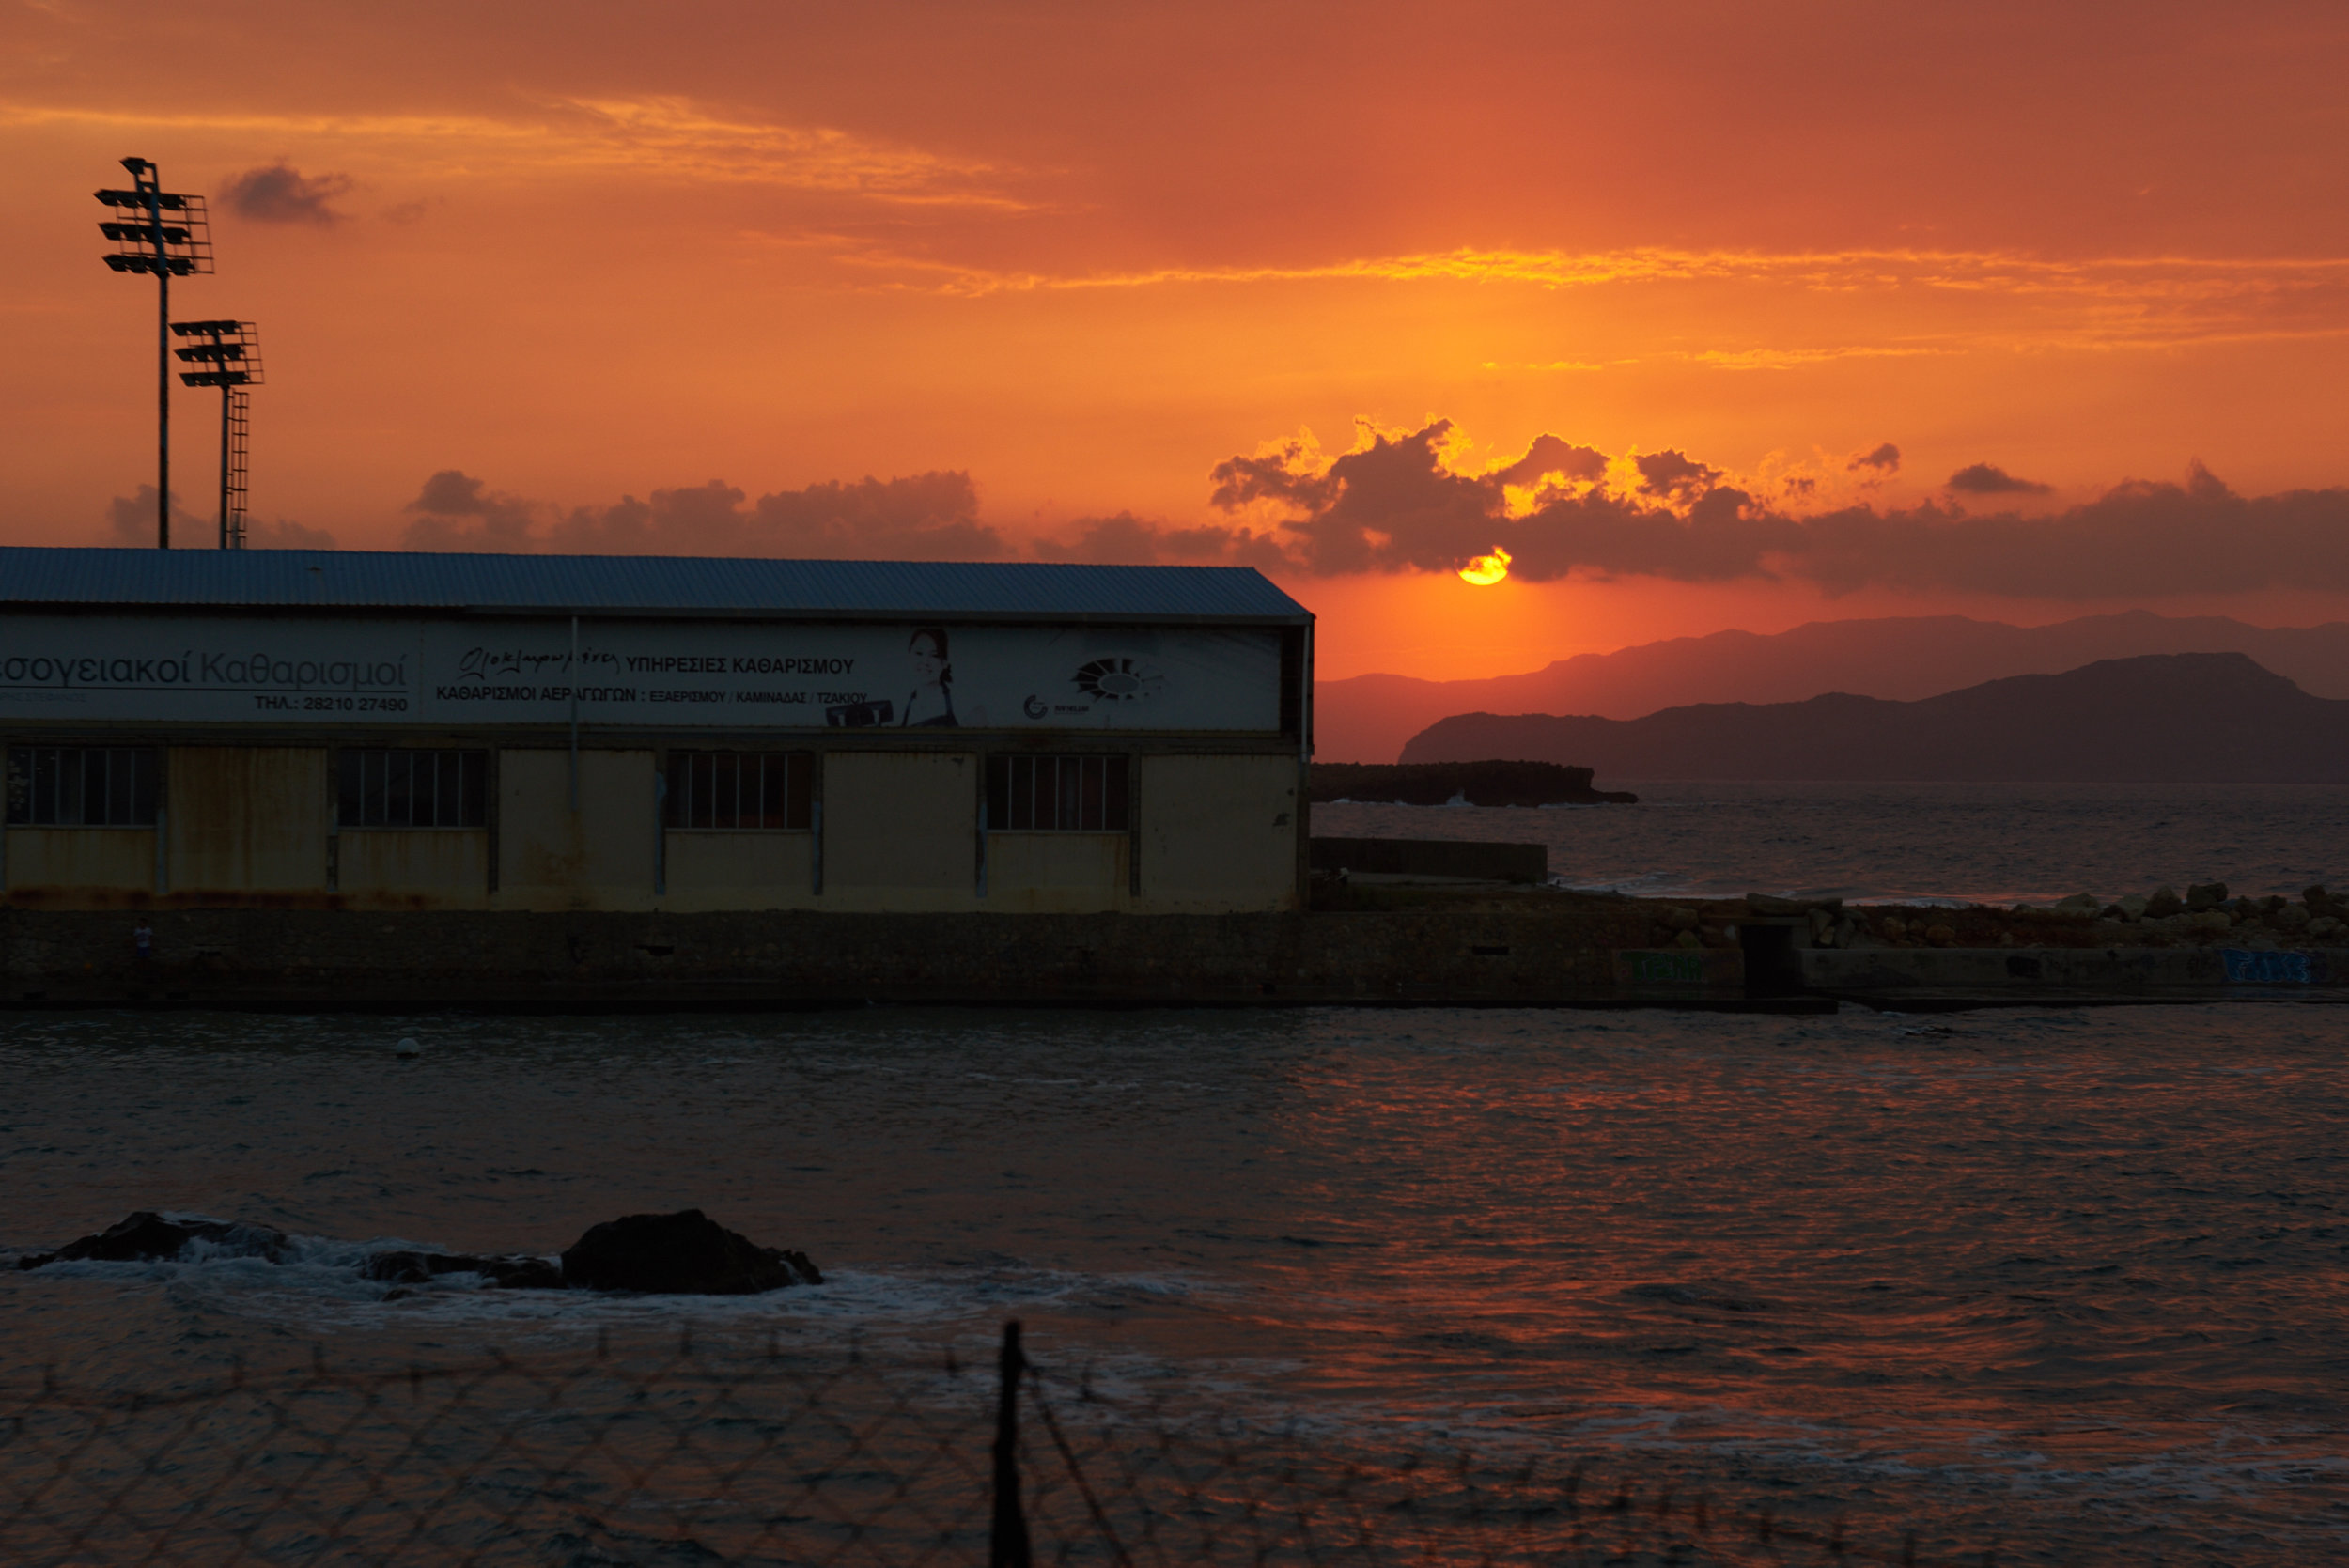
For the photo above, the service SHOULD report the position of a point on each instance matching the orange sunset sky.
(1711, 315)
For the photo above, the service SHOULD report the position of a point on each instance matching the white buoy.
(408, 1048)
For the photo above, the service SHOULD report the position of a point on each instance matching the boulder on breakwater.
(516, 1271)
(147, 1235)
(686, 1254)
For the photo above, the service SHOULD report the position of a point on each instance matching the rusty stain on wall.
(102, 861)
(445, 868)
(244, 819)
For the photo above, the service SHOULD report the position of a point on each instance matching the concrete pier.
(1558, 952)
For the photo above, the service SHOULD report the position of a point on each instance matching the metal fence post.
(1007, 1544)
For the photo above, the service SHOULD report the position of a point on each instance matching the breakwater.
(1400, 945)
(1492, 782)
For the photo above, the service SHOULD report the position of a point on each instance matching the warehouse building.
(393, 731)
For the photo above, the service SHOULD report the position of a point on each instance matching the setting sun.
(1486, 570)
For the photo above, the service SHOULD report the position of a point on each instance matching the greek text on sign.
(227, 670)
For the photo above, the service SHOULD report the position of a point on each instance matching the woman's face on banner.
(927, 660)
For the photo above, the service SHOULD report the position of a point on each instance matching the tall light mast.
(225, 355)
(168, 234)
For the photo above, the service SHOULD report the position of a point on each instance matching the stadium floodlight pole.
(168, 234)
(225, 355)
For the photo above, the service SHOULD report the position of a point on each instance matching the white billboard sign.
(807, 675)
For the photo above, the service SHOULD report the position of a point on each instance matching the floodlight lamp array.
(225, 353)
(160, 231)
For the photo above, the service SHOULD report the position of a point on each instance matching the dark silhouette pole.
(1007, 1544)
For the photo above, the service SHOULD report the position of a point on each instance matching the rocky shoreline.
(2205, 916)
(685, 1253)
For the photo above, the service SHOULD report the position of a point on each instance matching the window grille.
(741, 789)
(409, 787)
(82, 786)
(1075, 795)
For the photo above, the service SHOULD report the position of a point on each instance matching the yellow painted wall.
(245, 820)
(1219, 833)
(600, 856)
(79, 867)
(439, 868)
(719, 870)
(1057, 873)
(900, 831)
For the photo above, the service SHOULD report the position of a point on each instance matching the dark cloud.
(1668, 474)
(1884, 460)
(1395, 506)
(457, 511)
(924, 516)
(1396, 501)
(1990, 480)
(131, 520)
(283, 534)
(1127, 540)
(930, 516)
(1550, 456)
(280, 194)
(1280, 475)
(2139, 539)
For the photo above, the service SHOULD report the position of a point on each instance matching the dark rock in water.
(2204, 895)
(417, 1268)
(148, 1237)
(2164, 903)
(410, 1268)
(679, 1254)
(685, 1253)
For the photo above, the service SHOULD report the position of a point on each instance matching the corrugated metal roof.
(636, 586)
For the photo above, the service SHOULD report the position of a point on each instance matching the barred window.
(741, 789)
(1079, 794)
(409, 787)
(82, 786)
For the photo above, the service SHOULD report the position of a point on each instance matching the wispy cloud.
(1998, 271)
(2101, 303)
(663, 136)
(1791, 359)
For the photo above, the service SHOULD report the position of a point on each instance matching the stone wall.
(1558, 951)
(2060, 972)
(425, 958)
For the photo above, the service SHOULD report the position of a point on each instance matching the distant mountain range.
(1368, 718)
(2216, 717)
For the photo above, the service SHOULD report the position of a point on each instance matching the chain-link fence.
(694, 1456)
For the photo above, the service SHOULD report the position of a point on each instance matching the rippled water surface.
(1969, 841)
(2067, 1284)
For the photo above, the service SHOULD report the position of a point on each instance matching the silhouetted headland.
(1901, 658)
(2164, 718)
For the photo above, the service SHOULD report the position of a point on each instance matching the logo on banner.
(1116, 680)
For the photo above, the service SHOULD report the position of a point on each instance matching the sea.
(2055, 1286)
(1935, 843)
